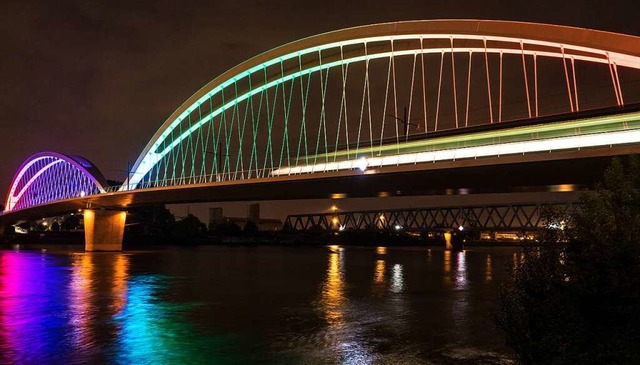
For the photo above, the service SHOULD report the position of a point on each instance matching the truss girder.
(515, 217)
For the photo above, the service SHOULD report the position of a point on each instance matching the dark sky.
(97, 78)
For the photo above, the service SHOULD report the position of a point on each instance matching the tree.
(155, 220)
(188, 229)
(71, 222)
(225, 228)
(251, 229)
(576, 297)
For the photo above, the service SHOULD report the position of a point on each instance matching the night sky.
(98, 78)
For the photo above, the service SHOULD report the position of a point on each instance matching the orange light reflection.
(81, 291)
(120, 278)
(447, 267)
(333, 299)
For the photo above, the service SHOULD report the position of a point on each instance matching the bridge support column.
(447, 240)
(103, 230)
(454, 240)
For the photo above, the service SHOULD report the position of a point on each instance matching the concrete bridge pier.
(447, 240)
(103, 230)
(454, 240)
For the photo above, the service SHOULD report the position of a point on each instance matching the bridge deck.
(514, 172)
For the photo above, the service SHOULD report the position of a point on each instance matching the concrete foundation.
(447, 241)
(103, 230)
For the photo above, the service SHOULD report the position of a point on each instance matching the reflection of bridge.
(490, 105)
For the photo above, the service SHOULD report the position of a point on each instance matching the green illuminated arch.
(286, 69)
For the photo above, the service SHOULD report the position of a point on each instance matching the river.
(253, 305)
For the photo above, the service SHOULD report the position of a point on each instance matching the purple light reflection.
(31, 306)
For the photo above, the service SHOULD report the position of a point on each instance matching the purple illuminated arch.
(50, 176)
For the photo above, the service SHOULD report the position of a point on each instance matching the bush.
(188, 229)
(251, 229)
(576, 298)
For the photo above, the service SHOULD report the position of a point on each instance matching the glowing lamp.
(362, 164)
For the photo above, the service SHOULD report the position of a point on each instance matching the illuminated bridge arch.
(49, 176)
(387, 94)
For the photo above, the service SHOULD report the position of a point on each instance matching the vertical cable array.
(453, 82)
(566, 75)
(263, 119)
(466, 114)
(486, 63)
(439, 89)
(526, 79)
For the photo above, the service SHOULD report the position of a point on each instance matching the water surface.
(242, 305)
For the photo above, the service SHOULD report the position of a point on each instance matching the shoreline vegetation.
(575, 299)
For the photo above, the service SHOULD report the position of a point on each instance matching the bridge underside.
(523, 173)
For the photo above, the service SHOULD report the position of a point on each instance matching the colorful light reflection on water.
(80, 306)
(31, 303)
(242, 305)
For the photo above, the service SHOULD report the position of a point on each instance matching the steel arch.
(50, 176)
(318, 54)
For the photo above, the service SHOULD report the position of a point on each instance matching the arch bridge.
(385, 99)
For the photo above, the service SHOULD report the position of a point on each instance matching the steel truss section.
(514, 217)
